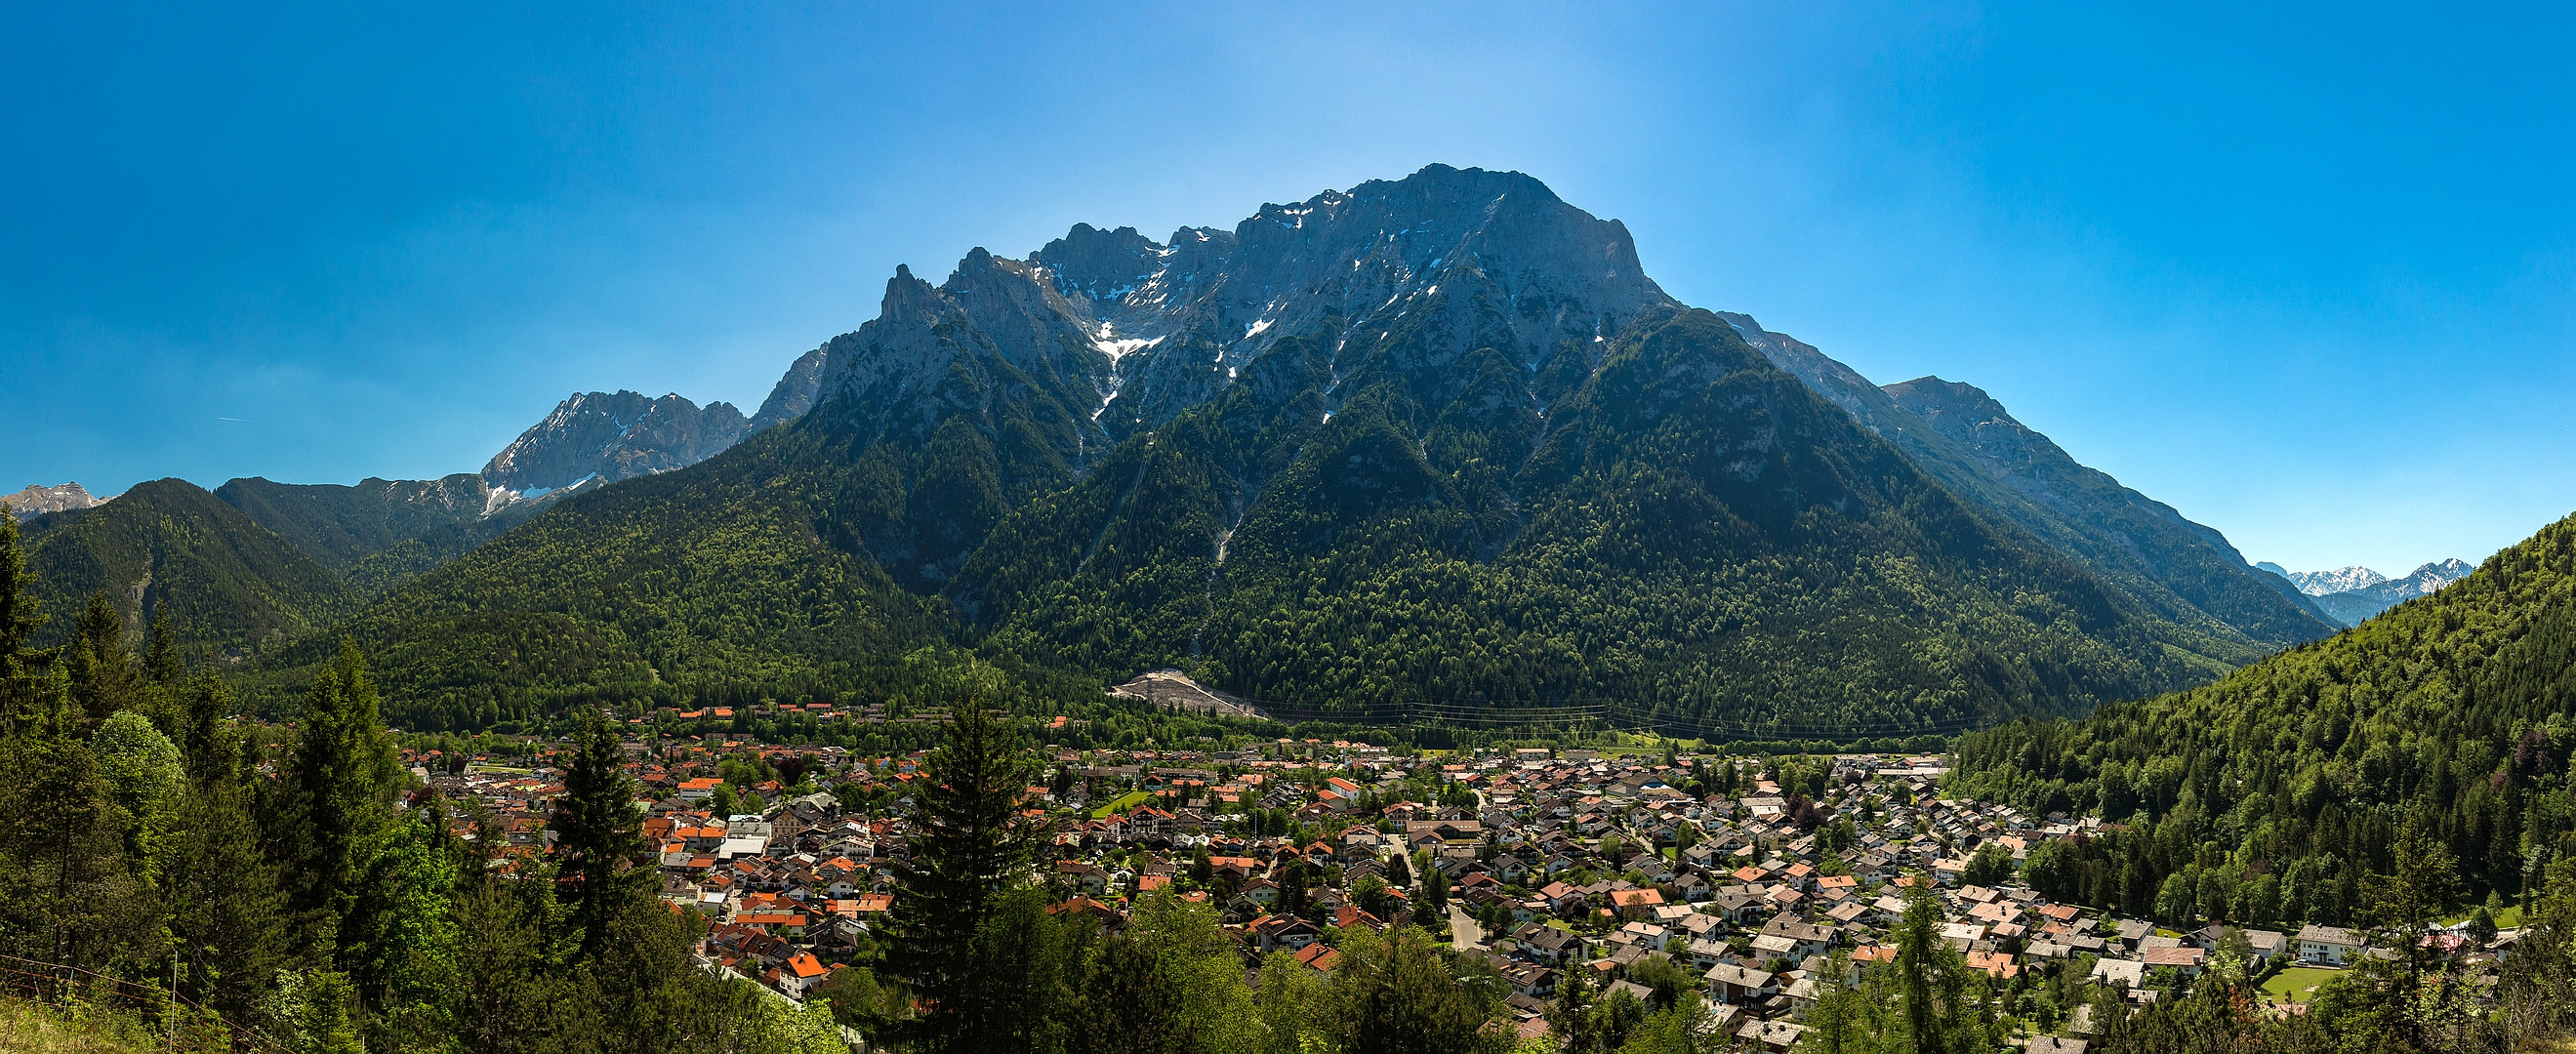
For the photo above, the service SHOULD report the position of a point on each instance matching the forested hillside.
(708, 576)
(1961, 436)
(378, 533)
(169, 548)
(2266, 796)
(1687, 526)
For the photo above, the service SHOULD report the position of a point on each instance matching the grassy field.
(1120, 804)
(2298, 984)
(2509, 918)
(26, 1028)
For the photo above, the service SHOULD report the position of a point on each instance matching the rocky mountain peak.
(1934, 399)
(1965, 413)
(613, 436)
(2352, 594)
(1093, 265)
(37, 499)
(1445, 261)
(793, 395)
(2339, 580)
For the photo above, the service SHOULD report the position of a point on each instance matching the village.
(1750, 879)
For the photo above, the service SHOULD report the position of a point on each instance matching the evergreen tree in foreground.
(598, 838)
(334, 811)
(968, 844)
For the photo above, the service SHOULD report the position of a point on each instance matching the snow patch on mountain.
(2366, 593)
(2339, 580)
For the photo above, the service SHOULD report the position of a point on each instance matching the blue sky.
(2308, 275)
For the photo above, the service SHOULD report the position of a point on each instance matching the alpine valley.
(1436, 442)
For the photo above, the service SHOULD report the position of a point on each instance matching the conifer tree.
(599, 836)
(161, 662)
(337, 807)
(1934, 989)
(969, 842)
(104, 678)
(230, 937)
(21, 666)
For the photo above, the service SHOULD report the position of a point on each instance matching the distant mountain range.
(258, 561)
(37, 499)
(2350, 595)
(1429, 442)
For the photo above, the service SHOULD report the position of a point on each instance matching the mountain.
(257, 561)
(793, 395)
(2351, 606)
(2263, 797)
(1965, 439)
(1437, 441)
(2340, 580)
(168, 547)
(612, 437)
(380, 532)
(38, 499)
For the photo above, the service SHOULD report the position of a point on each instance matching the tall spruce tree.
(336, 807)
(599, 836)
(968, 843)
(104, 676)
(231, 938)
(1936, 994)
(21, 666)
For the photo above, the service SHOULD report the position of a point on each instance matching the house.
(1693, 888)
(1530, 980)
(1636, 903)
(1998, 965)
(1739, 985)
(1647, 934)
(1283, 932)
(2327, 945)
(1706, 953)
(2184, 958)
(2119, 973)
(1555, 945)
(1805, 939)
(800, 973)
(1771, 1035)
(1084, 877)
(2055, 1045)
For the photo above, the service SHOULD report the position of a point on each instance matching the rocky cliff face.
(793, 395)
(1134, 331)
(37, 499)
(611, 437)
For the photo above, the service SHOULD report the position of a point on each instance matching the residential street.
(1464, 931)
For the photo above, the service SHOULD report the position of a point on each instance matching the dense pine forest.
(2269, 796)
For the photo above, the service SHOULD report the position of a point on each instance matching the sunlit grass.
(27, 1028)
